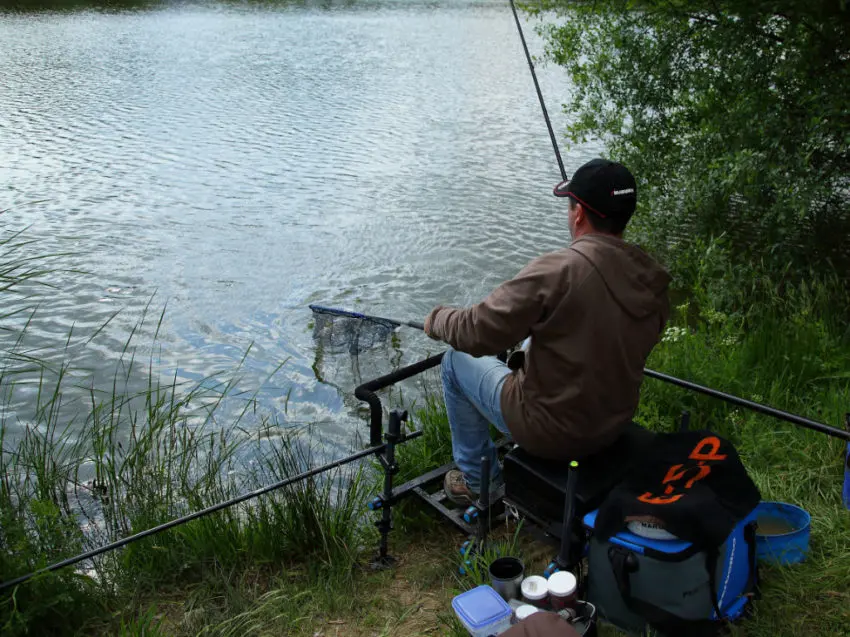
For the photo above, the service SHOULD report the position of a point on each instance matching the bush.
(732, 115)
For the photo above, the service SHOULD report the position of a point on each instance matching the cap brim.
(562, 189)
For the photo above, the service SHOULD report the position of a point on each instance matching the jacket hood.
(636, 281)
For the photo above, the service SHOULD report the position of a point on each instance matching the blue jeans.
(472, 388)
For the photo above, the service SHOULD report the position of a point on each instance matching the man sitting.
(593, 310)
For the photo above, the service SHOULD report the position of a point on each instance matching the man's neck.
(587, 232)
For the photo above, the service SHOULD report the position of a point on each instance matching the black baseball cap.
(604, 187)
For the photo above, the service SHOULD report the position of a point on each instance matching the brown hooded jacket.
(594, 312)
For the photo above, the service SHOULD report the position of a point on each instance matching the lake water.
(238, 162)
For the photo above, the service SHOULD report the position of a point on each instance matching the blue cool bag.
(674, 586)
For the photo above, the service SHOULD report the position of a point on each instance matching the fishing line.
(539, 94)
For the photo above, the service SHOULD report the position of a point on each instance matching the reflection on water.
(241, 161)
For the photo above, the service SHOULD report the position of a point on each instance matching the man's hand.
(427, 326)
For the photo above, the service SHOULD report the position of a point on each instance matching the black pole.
(197, 514)
(366, 392)
(484, 502)
(748, 404)
(564, 556)
(385, 524)
(539, 94)
(335, 311)
(685, 422)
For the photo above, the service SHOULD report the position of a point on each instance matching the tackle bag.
(674, 586)
(700, 570)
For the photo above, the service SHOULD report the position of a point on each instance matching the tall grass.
(91, 464)
(434, 447)
(789, 347)
(152, 455)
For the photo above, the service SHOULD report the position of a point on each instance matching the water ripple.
(241, 163)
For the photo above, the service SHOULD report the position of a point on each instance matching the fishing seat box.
(537, 486)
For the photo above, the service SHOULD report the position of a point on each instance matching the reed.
(89, 464)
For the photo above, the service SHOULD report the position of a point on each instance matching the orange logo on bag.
(680, 478)
(711, 441)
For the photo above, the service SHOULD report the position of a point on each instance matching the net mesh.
(339, 334)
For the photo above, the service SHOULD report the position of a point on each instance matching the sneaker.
(457, 490)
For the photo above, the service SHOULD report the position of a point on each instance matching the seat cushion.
(537, 486)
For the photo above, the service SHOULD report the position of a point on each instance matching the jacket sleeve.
(506, 316)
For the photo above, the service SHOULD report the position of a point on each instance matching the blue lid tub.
(482, 611)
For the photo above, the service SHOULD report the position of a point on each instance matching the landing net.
(353, 334)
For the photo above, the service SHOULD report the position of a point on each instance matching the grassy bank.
(154, 456)
(86, 464)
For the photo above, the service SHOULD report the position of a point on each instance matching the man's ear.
(580, 214)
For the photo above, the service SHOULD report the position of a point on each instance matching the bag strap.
(712, 556)
(751, 587)
(623, 563)
(753, 580)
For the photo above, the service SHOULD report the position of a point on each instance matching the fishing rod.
(539, 94)
(211, 509)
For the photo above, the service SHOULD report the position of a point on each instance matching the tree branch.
(717, 23)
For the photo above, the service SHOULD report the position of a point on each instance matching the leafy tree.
(733, 115)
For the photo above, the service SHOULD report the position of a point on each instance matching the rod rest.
(366, 392)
